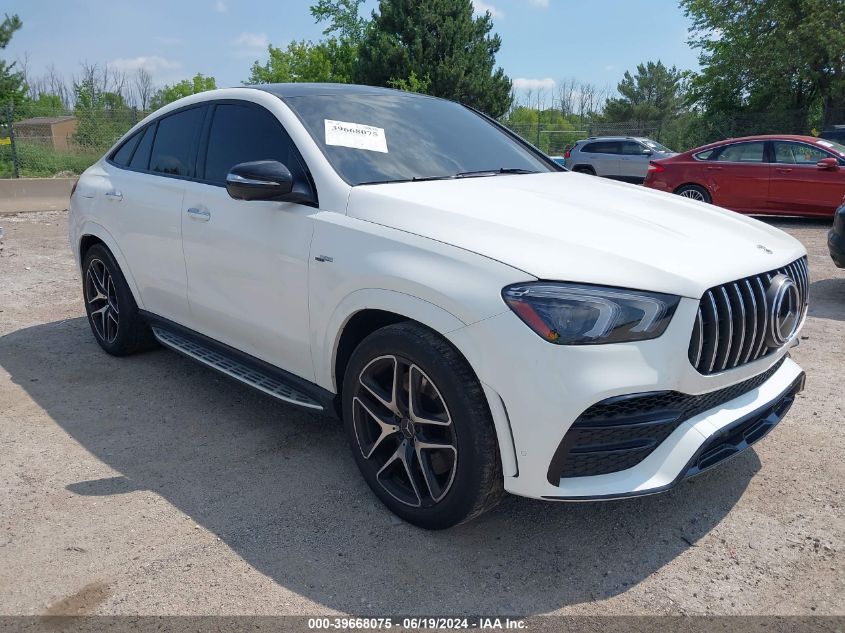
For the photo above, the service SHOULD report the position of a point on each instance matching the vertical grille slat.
(726, 325)
(738, 326)
(751, 321)
(732, 320)
(710, 331)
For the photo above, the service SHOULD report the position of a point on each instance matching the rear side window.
(141, 157)
(743, 153)
(707, 154)
(175, 142)
(240, 134)
(124, 153)
(602, 147)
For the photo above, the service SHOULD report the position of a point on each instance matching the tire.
(694, 192)
(584, 170)
(110, 306)
(435, 464)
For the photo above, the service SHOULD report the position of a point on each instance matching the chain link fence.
(42, 142)
(39, 142)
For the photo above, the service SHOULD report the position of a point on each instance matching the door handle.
(713, 169)
(782, 170)
(115, 195)
(201, 215)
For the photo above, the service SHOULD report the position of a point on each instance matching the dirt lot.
(151, 485)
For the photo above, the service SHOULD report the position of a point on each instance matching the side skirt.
(243, 367)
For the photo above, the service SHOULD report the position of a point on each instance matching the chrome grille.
(732, 320)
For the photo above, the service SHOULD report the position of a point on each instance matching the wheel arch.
(364, 322)
(357, 317)
(91, 234)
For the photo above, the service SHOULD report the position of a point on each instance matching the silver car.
(619, 157)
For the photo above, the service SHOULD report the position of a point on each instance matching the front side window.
(742, 153)
(632, 148)
(241, 134)
(389, 137)
(175, 142)
(798, 153)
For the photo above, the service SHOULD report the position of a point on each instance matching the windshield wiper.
(413, 179)
(495, 172)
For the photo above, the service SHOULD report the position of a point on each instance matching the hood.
(572, 227)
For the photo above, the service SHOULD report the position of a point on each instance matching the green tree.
(12, 84)
(776, 56)
(300, 61)
(437, 45)
(184, 88)
(654, 92)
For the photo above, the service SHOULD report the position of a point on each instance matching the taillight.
(73, 189)
(567, 154)
(655, 168)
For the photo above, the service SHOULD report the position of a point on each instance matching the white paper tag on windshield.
(356, 136)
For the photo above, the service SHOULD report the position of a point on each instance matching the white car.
(480, 319)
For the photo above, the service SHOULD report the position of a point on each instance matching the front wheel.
(694, 192)
(420, 428)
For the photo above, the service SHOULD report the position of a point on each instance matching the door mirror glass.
(260, 180)
(828, 163)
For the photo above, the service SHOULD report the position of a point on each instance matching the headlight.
(574, 314)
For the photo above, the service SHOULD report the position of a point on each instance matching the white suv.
(480, 319)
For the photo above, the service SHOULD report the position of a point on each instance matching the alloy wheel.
(101, 296)
(693, 194)
(405, 431)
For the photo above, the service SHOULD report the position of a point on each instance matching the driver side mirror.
(647, 152)
(266, 180)
(828, 163)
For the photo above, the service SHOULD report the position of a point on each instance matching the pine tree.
(438, 47)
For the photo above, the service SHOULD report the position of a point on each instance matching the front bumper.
(544, 388)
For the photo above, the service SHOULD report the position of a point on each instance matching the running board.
(263, 381)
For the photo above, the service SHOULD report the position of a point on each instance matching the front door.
(799, 186)
(633, 161)
(247, 261)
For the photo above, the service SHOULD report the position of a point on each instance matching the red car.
(786, 175)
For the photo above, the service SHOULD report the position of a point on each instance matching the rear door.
(247, 261)
(602, 156)
(633, 161)
(142, 207)
(799, 186)
(738, 176)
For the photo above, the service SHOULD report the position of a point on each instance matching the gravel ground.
(151, 485)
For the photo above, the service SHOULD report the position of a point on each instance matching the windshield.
(833, 145)
(657, 147)
(376, 138)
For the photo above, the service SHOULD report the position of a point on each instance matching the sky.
(544, 42)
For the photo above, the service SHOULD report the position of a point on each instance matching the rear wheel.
(111, 308)
(581, 169)
(420, 428)
(694, 192)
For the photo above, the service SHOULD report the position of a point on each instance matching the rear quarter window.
(175, 142)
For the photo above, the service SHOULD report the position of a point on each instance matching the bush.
(37, 161)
